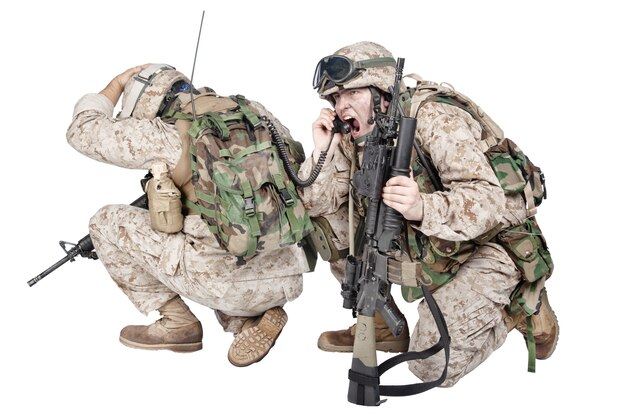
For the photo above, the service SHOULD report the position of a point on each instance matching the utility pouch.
(323, 238)
(164, 201)
(527, 247)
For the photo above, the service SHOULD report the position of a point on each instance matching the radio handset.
(340, 126)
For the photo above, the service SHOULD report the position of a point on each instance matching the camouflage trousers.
(152, 267)
(472, 305)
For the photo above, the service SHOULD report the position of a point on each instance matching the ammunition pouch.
(436, 262)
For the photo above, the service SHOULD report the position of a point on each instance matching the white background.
(550, 73)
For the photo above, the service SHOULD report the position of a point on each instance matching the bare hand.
(403, 195)
(115, 88)
(322, 136)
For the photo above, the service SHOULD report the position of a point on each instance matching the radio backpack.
(240, 187)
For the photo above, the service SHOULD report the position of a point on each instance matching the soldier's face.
(355, 107)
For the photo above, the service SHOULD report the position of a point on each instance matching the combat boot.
(258, 335)
(545, 329)
(343, 340)
(177, 330)
(511, 320)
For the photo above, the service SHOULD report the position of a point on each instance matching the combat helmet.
(147, 93)
(363, 64)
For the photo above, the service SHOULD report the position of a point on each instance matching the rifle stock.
(84, 247)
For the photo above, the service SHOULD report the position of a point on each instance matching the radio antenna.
(193, 68)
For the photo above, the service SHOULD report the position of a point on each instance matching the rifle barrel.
(41, 276)
(83, 247)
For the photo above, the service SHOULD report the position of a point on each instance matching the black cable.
(282, 153)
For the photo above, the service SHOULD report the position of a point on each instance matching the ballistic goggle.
(178, 87)
(340, 69)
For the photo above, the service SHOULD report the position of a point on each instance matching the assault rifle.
(366, 287)
(84, 247)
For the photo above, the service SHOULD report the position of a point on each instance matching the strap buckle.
(286, 197)
(248, 206)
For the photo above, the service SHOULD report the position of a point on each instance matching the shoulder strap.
(422, 91)
(247, 112)
(181, 174)
(419, 94)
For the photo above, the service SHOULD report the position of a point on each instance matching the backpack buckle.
(248, 206)
(286, 197)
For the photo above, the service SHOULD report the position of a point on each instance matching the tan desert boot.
(511, 320)
(545, 328)
(257, 337)
(177, 330)
(343, 340)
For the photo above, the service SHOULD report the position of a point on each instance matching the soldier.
(357, 81)
(157, 269)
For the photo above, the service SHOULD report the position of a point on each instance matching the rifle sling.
(412, 389)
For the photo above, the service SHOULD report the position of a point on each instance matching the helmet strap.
(376, 101)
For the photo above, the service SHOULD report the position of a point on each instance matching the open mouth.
(355, 126)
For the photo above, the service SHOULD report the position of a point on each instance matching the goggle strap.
(385, 61)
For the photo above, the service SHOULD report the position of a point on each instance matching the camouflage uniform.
(152, 267)
(472, 204)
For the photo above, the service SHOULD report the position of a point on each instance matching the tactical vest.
(231, 175)
(434, 262)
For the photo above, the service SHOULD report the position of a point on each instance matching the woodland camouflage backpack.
(240, 187)
(524, 243)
